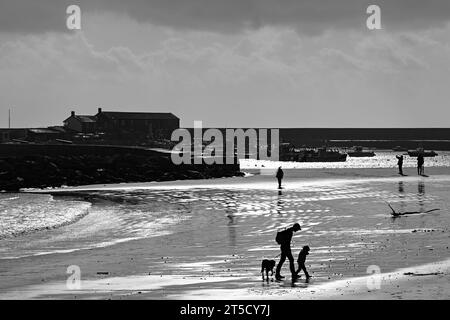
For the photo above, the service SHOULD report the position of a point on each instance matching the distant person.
(420, 163)
(400, 164)
(284, 238)
(301, 262)
(280, 175)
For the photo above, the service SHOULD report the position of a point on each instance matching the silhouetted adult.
(400, 164)
(280, 175)
(284, 239)
(420, 162)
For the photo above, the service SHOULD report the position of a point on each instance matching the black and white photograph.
(225, 150)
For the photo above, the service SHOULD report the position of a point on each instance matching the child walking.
(301, 262)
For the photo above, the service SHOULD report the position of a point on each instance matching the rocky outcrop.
(56, 170)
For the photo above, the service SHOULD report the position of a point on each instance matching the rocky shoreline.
(45, 171)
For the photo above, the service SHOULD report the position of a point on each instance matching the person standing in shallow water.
(420, 162)
(400, 164)
(284, 240)
(280, 175)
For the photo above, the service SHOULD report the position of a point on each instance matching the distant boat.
(415, 153)
(398, 148)
(288, 152)
(358, 151)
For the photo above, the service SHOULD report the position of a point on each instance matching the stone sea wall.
(43, 166)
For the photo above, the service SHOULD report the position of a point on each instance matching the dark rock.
(64, 169)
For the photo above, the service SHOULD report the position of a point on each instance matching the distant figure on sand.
(420, 162)
(400, 164)
(284, 238)
(280, 175)
(301, 262)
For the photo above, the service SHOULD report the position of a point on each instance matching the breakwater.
(43, 166)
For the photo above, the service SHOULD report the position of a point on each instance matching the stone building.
(138, 125)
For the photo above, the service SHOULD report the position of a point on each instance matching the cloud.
(32, 16)
(229, 16)
(265, 77)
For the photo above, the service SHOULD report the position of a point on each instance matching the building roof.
(86, 118)
(83, 118)
(138, 115)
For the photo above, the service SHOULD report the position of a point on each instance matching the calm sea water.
(382, 159)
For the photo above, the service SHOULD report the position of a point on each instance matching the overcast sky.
(235, 63)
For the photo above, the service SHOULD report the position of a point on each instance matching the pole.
(9, 118)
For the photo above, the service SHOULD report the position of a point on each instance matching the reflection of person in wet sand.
(396, 214)
(401, 190)
(280, 175)
(279, 205)
(421, 189)
(421, 194)
(284, 240)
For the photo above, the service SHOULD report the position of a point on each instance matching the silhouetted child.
(301, 262)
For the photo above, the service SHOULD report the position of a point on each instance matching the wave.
(25, 213)
(103, 219)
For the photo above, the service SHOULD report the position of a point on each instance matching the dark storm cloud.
(309, 16)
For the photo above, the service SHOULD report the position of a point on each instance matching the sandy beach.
(221, 229)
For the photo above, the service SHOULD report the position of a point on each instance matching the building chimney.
(73, 113)
(99, 110)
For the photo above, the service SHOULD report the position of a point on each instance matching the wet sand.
(429, 282)
(216, 254)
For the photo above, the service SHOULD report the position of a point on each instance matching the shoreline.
(307, 175)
